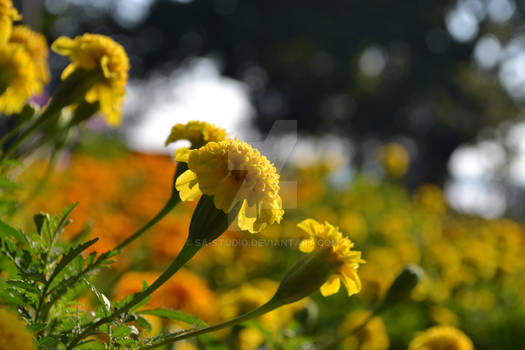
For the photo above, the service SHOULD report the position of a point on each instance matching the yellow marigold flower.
(372, 337)
(440, 338)
(18, 78)
(197, 132)
(13, 333)
(395, 160)
(328, 236)
(36, 45)
(8, 14)
(233, 173)
(98, 52)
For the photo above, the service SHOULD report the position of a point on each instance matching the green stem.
(26, 115)
(51, 112)
(172, 203)
(187, 252)
(269, 306)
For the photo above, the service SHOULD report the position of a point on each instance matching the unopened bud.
(307, 276)
(403, 285)
(208, 222)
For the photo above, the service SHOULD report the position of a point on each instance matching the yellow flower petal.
(307, 245)
(350, 279)
(246, 217)
(187, 186)
(63, 46)
(331, 286)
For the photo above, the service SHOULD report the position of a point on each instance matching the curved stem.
(51, 112)
(187, 252)
(172, 203)
(26, 114)
(269, 306)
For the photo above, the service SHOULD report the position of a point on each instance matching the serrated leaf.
(69, 256)
(142, 322)
(121, 331)
(8, 232)
(47, 341)
(174, 315)
(28, 287)
(103, 300)
(40, 219)
(63, 220)
(37, 327)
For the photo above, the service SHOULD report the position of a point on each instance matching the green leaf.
(174, 315)
(28, 287)
(47, 341)
(142, 322)
(121, 331)
(8, 232)
(102, 299)
(40, 219)
(69, 256)
(63, 220)
(37, 327)
(9, 184)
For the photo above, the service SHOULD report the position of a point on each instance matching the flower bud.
(74, 87)
(208, 222)
(403, 285)
(307, 276)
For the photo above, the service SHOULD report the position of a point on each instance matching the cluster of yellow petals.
(18, 78)
(98, 52)
(8, 14)
(328, 236)
(197, 132)
(36, 46)
(13, 333)
(233, 172)
(441, 338)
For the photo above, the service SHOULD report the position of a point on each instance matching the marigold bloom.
(233, 172)
(18, 78)
(441, 338)
(8, 14)
(328, 236)
(36, 45)
(395, 160)
(98, 52)
(13, 333)
(197, 132)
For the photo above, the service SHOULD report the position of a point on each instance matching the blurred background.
(401, 122)
(446, 79)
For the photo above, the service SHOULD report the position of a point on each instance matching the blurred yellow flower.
(197, 132)
(18, 78)
(98, 52)
(395, 160)
(36, 45)
(13, 333)
(430, 197)
(328, 236)
(8, 14)
(372, 337)
(441, 338)
(233, 172)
